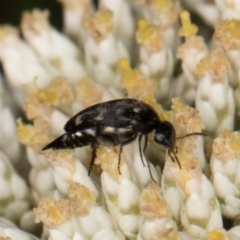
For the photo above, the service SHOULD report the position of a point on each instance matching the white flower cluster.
(148, 50)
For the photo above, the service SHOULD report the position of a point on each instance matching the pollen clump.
(34, 106)
(163, 116)
(187, 119)
(51, 212)
(192, 43)
(108, 158)
(104, 16)
(150, 36)
(32, 135)
(64, 158)
(57, 94)
(24, 131)
(227, 34)
(190, 169)
(226, 146)
(152, 205)
(88, 92)
(81, 199)
(144, 31)
(161, 4)
(136, 85)
(98, 25)
(188, 29)
(214, 64)
(167, 11)
(217, 235)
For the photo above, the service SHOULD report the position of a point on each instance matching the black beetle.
(117, 122)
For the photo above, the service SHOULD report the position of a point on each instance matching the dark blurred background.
(11, 10)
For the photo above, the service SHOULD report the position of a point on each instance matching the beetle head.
(165, 135)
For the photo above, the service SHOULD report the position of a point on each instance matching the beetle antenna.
(140, 148)
(192, 134)
(173, 152)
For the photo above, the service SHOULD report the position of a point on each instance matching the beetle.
(117, 122)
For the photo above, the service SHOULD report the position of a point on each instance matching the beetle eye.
(165, 135)
(159, 138)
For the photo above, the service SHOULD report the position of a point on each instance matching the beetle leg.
(144, 149)
(145, 143)
(94, 147)
(119, 158)
(140, 148)
(150, 172)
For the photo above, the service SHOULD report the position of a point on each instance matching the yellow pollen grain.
(81, 199)
(150, 36)
(215, 64)
(63, 158)
(173, 236)
(234, 143)
(129, 76)
(187, 29)
(89, 92)
(216, 235)
(152, 205)
(48, 95)
(160, 4)
(33, 135)
(227, 34)
(164, 116)
(187, 119)
(24, 131)
(226, 146)
(57, 93)
(144, 31)
(136, 85)
(188, 162)
(51, 212)
(192, 43)
(190, 168)
(234, 28)
(104, 16)
(98, 25)
(157, 108)
(108, 158)
(54, 214)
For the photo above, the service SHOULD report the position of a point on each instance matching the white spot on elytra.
(90, 131)
(78, 134)
(109, 129)
(124, 130)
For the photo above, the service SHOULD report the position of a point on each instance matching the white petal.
(197, 208)
(128, 196)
